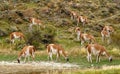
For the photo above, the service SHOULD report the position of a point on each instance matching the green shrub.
(40, 37)
(116, 39)
(18, 45)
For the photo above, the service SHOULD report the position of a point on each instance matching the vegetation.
(109, 71)
(55, 15)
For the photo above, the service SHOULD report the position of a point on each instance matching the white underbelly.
(85, 38)
(27, 52)
(53, 50)
(82, 20)
(16, 37)
(94, 51)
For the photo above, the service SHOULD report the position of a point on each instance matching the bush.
(116, 39)
(105, 12)
(18, 45)
(39, 37)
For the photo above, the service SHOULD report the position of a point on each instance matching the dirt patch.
(14, 67)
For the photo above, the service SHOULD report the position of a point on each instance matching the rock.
(2, 33)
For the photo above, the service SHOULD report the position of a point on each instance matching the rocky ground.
(14, 67)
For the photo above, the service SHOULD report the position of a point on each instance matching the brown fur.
(24, 52)
(81, 36)
(77, 29)
(21, 35)
(108, 28)
(98, 50)
(76, 17)
(83, 22)
(90, 37)
(59, 50)
(73, 15)
(35, 21)
(106, 33)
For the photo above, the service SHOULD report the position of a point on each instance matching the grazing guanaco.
(87, 38)
(16, 35)
(77, 31)
(96, 50)
(84, 37)
(76, 17)
(26, 52)
(35, 21)
(73, 15)
(108, 29)
(56, 49)
(106, 33)
(82, 19)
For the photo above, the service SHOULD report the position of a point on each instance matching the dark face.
(18, 60)
(109, 30)
(78, 29)
(67, 59)
(110, 60)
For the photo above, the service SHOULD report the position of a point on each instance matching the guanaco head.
(67, 59)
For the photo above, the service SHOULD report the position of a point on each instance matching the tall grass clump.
(116, 39)
(39, 37)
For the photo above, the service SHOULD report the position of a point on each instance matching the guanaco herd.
(91, 48)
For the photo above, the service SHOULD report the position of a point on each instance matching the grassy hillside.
(55, 15)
